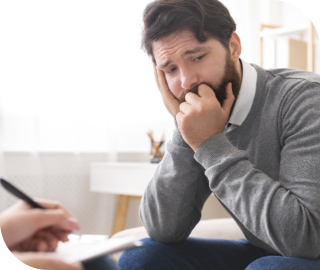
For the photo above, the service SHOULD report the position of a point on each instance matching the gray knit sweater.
(266, 173)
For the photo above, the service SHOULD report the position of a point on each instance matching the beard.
(230, 75)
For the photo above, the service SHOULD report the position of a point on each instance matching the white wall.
(291, 14)
(65, 177)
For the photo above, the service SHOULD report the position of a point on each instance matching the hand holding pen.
(26, 228)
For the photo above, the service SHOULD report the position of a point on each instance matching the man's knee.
(283, 263)
(143, 257)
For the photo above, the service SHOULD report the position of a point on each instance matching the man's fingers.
(179, 117)
(184, 107)
(162, 82)
(228, 102)
(205, 91)
(169, 99)
(192, 98)
(163, 87)
(156, 74)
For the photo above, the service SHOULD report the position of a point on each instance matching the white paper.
(91, 246)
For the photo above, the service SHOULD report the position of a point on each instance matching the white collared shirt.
(245, 97)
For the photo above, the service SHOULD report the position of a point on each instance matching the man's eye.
(170, 70)
(199, 58)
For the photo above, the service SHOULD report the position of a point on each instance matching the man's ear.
(235, 47)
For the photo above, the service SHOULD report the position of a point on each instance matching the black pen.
(18, 193)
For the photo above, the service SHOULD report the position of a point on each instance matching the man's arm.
(173, 200)
(284, 214)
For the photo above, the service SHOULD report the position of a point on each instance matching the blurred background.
(76, 89)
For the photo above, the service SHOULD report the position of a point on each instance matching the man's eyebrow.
(165, 64)
(195, 50)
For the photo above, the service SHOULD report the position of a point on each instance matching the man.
(250, 136)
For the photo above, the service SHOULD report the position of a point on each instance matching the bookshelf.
(285, 32)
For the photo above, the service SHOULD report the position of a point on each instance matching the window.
(73, 77)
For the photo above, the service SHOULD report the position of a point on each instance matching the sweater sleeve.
(284, 214)
(172, 203)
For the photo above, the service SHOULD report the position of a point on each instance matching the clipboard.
(89, 247)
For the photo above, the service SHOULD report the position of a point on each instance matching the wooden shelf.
(285, 30)
(273, 31)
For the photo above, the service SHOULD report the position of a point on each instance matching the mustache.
(216, 89)
(194, 90)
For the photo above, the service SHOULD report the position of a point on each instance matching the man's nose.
(188, 79)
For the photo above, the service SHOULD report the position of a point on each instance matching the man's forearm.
(173, 200)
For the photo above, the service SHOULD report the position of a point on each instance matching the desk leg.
(121, 213)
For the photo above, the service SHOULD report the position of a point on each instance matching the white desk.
(127, 179)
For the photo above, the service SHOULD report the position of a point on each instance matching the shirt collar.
(246, 94)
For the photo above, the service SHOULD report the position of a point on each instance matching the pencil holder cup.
(156, 152)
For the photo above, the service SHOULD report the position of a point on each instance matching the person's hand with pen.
(26, 231)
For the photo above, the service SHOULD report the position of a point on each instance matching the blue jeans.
(101, 263)
(214, 254)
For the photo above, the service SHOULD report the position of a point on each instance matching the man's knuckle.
(213, 102)
(201, 107)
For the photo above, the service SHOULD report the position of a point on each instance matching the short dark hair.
(204, 18)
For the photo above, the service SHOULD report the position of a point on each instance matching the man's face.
(187, 63)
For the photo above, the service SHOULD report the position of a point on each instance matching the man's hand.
(202, 116)
(29, 229)
(169, 100)
(38, 260)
